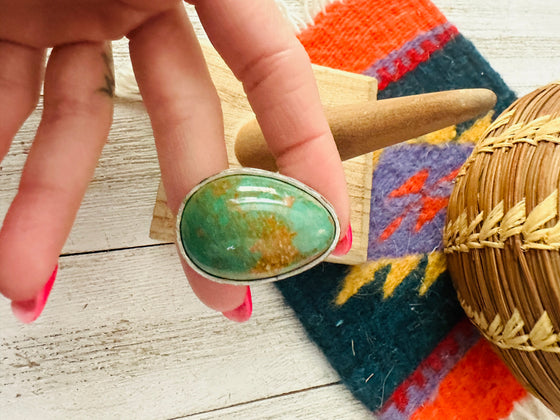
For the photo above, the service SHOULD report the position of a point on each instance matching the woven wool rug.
(392, 328)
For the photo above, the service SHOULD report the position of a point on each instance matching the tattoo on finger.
(109, 73)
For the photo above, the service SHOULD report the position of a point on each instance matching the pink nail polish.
(243, 312)
(345, 244)
(28, 311)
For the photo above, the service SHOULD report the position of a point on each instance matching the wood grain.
(305, 405)
(363, 127)
(335, 88)
(174, 358)
(148, 337)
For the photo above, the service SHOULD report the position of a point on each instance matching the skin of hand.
(183, 105)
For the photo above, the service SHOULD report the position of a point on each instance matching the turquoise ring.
(246, 226)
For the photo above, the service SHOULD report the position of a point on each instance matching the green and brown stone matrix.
(246, 227)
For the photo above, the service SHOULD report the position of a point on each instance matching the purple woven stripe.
(396, 166)
(433, 370)
(416, 47)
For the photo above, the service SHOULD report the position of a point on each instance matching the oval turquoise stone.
(247, 227)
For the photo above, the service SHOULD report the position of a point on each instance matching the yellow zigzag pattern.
(364, 274)
(400, 268)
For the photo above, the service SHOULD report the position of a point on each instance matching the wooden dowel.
(364, 127)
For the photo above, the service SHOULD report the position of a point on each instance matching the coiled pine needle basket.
(502, 239)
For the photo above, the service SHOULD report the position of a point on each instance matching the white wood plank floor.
(124, 337)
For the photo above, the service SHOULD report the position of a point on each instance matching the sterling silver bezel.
(266, 174)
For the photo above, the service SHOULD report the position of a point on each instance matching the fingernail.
(345, 244)
(28, 311)
(243, 312)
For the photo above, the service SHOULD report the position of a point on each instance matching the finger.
(266, 56)
(57, 22)
(20, 83)
(187, 122)
(74, 126)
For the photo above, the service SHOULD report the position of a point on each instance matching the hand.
(182, 103)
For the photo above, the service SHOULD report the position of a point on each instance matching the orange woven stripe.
(353, 34)
(479, 387)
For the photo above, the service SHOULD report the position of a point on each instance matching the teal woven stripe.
(375, 344)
